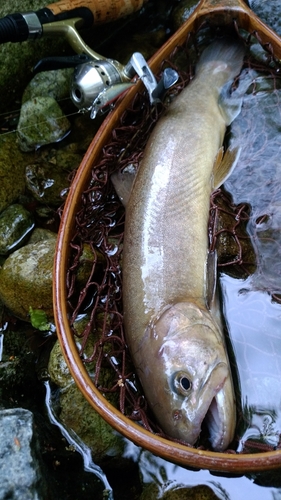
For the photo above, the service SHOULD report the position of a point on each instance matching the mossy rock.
(94, 431)
(26, 279)
(41, 122)
(16, 223)
(18, 59)
(76, 413)
(54, 84)
(12, 171)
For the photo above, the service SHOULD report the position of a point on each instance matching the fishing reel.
(97, 81)
(96, 84)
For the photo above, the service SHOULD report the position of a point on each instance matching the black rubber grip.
(13, 28)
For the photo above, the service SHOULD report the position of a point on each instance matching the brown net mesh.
(94, 277)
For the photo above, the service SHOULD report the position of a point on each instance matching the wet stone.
(53, 84)
(182, 12)
(41, 122)
(12, 168)
(67, 158)
(20, 474)
(77, 414)
(18, 59)
(86, 261)
(57, 366)
(26, 279)
(45, 183)
(75, 411)
(16, 223)
(40, 234)
(58, 369)
(47, 178)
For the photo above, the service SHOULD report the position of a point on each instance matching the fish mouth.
(220, 414)
(215, 421)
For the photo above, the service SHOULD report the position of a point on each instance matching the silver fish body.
(176, 342)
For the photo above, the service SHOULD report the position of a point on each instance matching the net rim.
(174, 452)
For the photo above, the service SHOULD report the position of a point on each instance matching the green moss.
(39, 319)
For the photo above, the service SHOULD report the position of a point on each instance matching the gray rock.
(16, 223)
(49, 83)
(39, 234)
(41, 122)
(20, 468)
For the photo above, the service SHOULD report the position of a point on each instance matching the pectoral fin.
(224, 165)
(123, 182)
(211, 278)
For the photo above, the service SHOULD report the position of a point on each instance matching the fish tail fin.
(224, 58)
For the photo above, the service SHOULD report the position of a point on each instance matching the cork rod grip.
(103, 10)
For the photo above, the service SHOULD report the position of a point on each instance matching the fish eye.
(182, 383)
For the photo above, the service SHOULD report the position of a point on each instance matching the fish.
(172, 316)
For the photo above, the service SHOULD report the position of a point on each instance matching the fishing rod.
(97, 80)
(22, 26)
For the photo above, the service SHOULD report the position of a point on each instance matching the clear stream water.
(253, 318)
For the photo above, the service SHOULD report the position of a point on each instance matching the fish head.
(189, 380)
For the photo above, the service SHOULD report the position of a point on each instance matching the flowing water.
(253, 316)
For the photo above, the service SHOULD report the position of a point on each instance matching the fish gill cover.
(248, 246)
